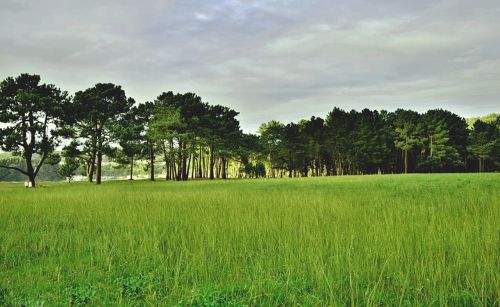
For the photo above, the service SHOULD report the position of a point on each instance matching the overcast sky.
(274, 59)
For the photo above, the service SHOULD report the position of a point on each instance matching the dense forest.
(182, 137)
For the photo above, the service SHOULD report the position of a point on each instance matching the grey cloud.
(282, 59)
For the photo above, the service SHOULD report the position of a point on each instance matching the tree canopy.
(34, 115)
(182, 137)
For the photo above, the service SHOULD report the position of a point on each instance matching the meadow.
(356, 240)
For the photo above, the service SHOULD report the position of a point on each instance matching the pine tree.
(483, 143)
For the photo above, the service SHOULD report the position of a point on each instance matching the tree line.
(189, 138)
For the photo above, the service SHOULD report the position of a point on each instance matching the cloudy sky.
(274, 59)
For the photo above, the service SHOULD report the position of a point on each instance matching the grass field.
(397, 240)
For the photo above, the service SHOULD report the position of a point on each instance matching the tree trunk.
(193, 164)
(99, 168)
(406, 161)
(218, 164)
(179, 162)
(185, 165)
(189, 165)
(31, 172)
(431, 147)
(91, 167)
(223, 166)
(271, 169)
(167, 163)
(203, 167)
(90, 172)
(31, 179)
(99, 157)
(200, 174)
(212, 162)
(131, 168)
(152, 162)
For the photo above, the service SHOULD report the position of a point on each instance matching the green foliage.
(439, 153)
(444, 136)
(80, 295)
(3, 296)
(166, 122)
(194, 139)
(131, 132)
(484, 144)
(132, 286)
(48, 172)
(490, 118)
(371, 142)
(96, 112)
(183, 125)
(33, 117)
(68, 168)
(414, 240)
(408, 132)
(339, 126)
(271, 137)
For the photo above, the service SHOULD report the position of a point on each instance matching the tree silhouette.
(96, 111)
(34, 118)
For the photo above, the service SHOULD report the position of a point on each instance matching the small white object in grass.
(26, 184)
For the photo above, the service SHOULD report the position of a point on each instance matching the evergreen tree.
(484, 141)
(339, 127)
(314, 132)
(33, 117)
(145, 115)
(129, 131)
(439, 154)
(97, 111)
(445, 138)
(271, 136)
(406, 133)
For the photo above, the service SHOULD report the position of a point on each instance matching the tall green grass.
(371, 240)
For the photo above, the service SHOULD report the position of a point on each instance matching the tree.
(314, 133)
(444, 138)
(271, 136)
(163, 130)
(145, 116)
(490, 119)
(249, 152)
(185, 132)
(33, 118)
(439, 155)
(406, 128)
(339, 126)
(450, 154)
(295, 145)
(68, 168)
(97, 110)
(130, 134)
(483, 141)
(224, 136)
(371, 149)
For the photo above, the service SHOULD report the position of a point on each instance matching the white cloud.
(202, 17)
